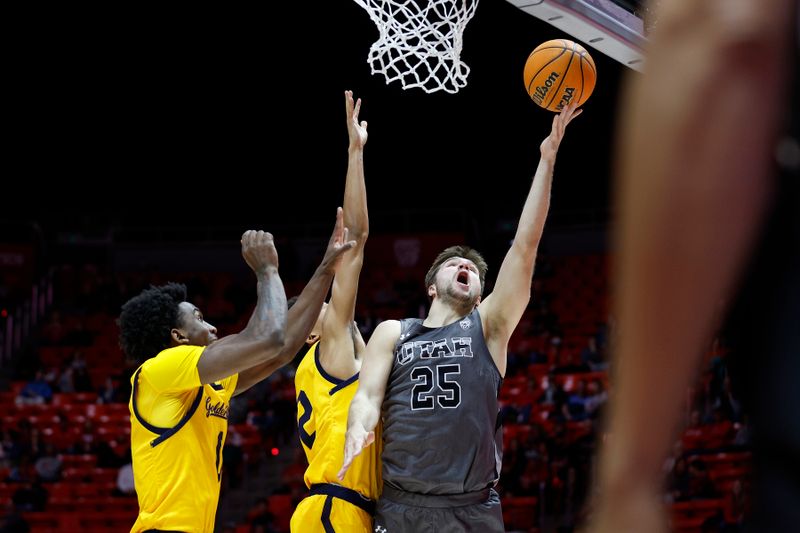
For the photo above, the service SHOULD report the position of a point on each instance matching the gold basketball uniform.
(323, 402)
(178, 429)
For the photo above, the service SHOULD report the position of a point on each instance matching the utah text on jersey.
(447, 347)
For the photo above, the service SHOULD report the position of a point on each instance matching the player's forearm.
(305, 312)
(364, 412)
(356, 219)
(267, 324)
(299, 322)
(537, 204)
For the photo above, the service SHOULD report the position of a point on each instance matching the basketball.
(558, 72)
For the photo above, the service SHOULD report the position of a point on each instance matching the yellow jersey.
(323, 403)
(178, 429)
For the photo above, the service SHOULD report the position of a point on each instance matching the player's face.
(458, 278)
(195, 328)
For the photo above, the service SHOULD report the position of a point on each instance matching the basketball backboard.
(614, 27)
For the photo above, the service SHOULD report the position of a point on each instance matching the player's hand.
(355, 129)
(258, 250)
(337, 245)
(549, 146)
(356, 439)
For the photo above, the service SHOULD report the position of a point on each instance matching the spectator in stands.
(596, 397)
(182, 390)
(50, 375)
(742, 437)
(592, 356)
(233, 458)
(537, 470)
(13, 443)
(126, 485)
(569, 364)
(30, 497)
(13, 522)
(514, 464)
(727, 402)
(526, 399)
(700, 485)
(82, 379)
(108, 392)
(48, 464)
(78, 360)
(576, 403)
(36, 391)
(554, 394)
(65, 382)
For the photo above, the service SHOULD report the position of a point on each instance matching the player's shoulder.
(306, 363)
(173, 356)
(388, 328)
(386, 333)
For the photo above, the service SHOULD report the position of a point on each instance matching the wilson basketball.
(559, 72)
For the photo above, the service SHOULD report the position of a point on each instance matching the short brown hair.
(458, 251)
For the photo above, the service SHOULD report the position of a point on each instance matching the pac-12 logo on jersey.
(447, 347)
(465, 324)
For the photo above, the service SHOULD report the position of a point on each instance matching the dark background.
(198, 123)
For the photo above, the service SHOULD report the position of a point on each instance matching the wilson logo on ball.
(558, 72)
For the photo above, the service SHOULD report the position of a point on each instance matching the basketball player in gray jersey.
(437, 381)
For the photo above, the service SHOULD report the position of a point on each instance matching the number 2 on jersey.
(307, 439)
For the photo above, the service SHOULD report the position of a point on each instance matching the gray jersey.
(440, 411)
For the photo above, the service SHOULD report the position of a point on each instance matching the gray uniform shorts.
(407, 512)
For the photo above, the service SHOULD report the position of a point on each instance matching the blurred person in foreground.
(709, 230)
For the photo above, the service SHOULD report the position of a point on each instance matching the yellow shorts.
(322, 513)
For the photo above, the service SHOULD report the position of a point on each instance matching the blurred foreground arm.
(696, 144)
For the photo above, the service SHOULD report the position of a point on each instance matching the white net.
(420, 42)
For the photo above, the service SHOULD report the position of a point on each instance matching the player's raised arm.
(503, 308)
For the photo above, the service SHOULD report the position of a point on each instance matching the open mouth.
(463, 278)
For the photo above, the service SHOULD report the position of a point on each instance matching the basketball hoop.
(420, 42)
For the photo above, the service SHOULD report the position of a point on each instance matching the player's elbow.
(287, 353)
(360, 235)
(370, 398)
(274, 343)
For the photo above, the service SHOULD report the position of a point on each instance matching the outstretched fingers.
(561, 120)
(338, 228)
(567, 114)
(340, 242)
(348, 103)
(352, 449)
